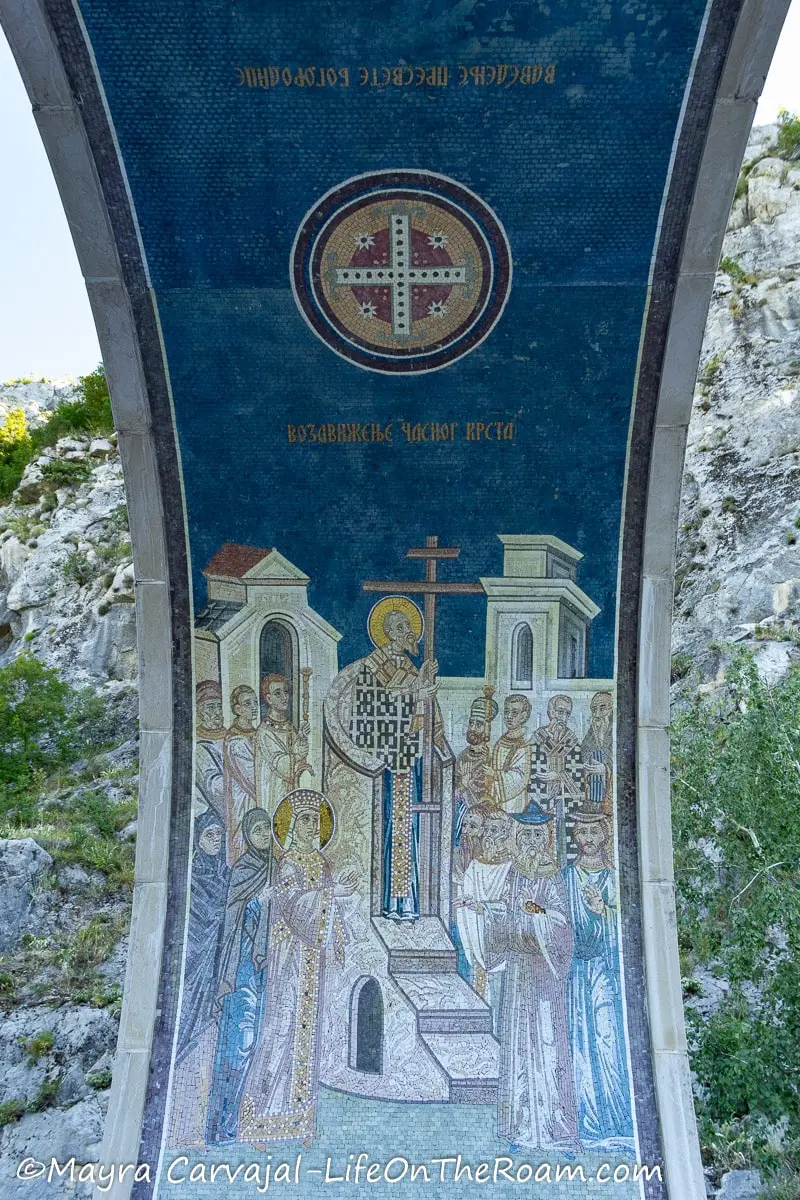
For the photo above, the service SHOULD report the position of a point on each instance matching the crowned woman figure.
(240, 979)
(209, 881)
(306, 929)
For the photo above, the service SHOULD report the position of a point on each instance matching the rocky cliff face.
(37, 398)
(66, 574)
(66, 594)
(738, 575)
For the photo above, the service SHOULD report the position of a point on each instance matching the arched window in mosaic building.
(522, 657)
(366, 1027)
(278, 656)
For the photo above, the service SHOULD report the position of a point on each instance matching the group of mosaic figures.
(264, 906)
(533, 883)
(535, 920)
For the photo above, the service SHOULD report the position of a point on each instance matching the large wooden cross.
(430, 587)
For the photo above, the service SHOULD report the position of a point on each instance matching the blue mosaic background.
(221, 177)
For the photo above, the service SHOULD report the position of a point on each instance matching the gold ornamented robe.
(280, 1092)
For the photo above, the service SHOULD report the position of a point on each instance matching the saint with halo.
(307, 928)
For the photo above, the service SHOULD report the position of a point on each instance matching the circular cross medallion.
(401, 271)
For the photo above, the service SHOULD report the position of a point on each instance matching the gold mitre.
(388, 605)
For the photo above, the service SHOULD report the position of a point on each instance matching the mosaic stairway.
(454, 1023)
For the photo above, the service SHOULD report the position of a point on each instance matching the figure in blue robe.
(401, 841)
(209, 882)
(594, 990)
(241, 978)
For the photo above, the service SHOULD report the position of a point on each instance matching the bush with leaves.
(788, 134)
(16, 451)
(91, 414)
(66, 472)
(44, 724)
(736, 808)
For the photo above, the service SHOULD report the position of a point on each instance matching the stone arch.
(366, 1026)
(55, 60)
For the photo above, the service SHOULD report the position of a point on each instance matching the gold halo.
(383, 608)
(282, 817)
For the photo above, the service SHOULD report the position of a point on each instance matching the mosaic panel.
(401, 258)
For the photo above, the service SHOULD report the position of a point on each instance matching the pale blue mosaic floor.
(418, 1133)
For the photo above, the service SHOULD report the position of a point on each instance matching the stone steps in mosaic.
(444, 1003)
(419, 946)
(471, 1063)
(453, 1022)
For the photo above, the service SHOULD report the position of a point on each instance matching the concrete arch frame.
(55, 61)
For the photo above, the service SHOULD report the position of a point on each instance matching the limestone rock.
(121, 590)
(59, 1134)
(73, 877)
(81, 1039)
(739, 540)
(128, 834)
(741, 1185)
(37, 398)
(66, 579)
(22, 864)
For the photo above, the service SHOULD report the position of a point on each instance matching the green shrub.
(46, 1097)
(33, 712)
(115, 860)
(66, 472)
(736, 273)
(114, 552)
(94, 944)
(99, 1081)
(680, 666)
(39, 1045)
(710, 371)
(16, 451)
(736, 784)
(744, 175)
(44, 725)
(79, 568)
(788, 134)
(11, 1111)
(63, 969)
(91, 414)
(110, 998)
(118, 518)
(22, 525)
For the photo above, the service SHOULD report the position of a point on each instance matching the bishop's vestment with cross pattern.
(387, 721)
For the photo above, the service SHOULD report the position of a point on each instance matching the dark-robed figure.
(206, 914)
(241, 977)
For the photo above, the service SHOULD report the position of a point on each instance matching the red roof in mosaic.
(233, 562)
